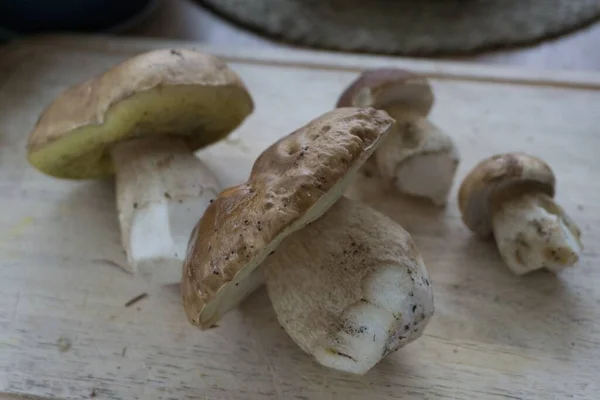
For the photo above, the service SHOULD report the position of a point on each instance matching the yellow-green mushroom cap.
(181, 93)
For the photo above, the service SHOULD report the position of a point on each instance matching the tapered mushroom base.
(350, 288)
(386, 319)
(418, 159)
(533, 232)
(429, 176)
(162, 191)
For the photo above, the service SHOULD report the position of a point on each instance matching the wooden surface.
(188, 20)
(65, 331)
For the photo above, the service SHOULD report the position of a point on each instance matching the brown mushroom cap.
(178, 92)
(385, 87)
(292, 183)
(498, 176)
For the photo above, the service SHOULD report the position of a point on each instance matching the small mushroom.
(142, 120)
(350, 288)
(292, 183)
(418, 158)
(511, 196)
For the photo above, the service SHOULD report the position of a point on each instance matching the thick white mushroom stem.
(350, 288)
(533, 232)
(418, 158)
(162, 190)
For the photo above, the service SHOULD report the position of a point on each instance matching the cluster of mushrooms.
(347, 283)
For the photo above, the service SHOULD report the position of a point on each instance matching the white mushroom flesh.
(350, 287)
(418, 159)
(162, 190)
(533, 232)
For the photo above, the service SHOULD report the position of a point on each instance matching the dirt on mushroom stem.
(533, 232)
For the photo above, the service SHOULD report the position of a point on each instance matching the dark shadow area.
(86, 224)
(478, 299)
(413, 213)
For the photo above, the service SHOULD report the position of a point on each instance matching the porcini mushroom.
(368, 288)
(418, 158)
(292, 183)
(350, 288)
(142, 120)
(511, 196)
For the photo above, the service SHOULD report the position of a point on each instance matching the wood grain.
(64, 330)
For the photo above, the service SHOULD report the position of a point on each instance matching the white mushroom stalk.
(161, 188)
(418, 158)
(350, 288)
(533, 232)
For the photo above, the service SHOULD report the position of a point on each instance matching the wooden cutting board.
(65, 331)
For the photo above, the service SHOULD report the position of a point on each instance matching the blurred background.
(548, 34)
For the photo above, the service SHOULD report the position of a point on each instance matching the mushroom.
(142, 120)
(285, 202)
(350, 288)
(292, 183)
(511, 196)
(418, 159)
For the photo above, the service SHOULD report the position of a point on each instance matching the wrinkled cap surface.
(292, 183)
(174, 92)
(389, 87)
(498, 176)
